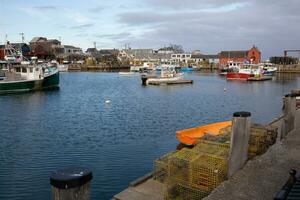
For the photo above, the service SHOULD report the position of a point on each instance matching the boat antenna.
(23, 37)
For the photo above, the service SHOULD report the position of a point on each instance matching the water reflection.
(44, 131)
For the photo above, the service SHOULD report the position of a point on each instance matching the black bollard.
(239, 143)
(71, 184)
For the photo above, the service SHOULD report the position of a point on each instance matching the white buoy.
(225, 89)
(107, 101)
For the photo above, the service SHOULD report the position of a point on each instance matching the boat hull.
(51, 81)
(187, 69)
(269, 73)
(237, 76)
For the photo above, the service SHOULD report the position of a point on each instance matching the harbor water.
(115, 126)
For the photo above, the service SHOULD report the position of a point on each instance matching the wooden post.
(240, 135)
(289, 111)
(71, 184)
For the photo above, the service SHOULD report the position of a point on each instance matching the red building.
(250, 56)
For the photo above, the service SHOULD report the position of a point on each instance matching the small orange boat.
(191, 135)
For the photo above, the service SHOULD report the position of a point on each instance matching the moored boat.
(190, 136)
(269, 69)
(187, 69)
(23, 76)
(167, 75)
(245, 72)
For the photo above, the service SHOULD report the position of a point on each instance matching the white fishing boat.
(269, 69)
(128, 73)
(168, 75)
(61, 67)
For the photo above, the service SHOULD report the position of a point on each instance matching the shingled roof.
(233, 54)
(204, 56)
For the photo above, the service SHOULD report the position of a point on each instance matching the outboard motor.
(144, 80)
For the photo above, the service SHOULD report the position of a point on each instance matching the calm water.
(44, 131)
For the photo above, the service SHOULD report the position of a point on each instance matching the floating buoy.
(225, 89)
(107, 101)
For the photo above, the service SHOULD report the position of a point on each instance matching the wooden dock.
(175, 82)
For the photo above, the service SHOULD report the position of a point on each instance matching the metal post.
(289, 111)
(71, 184)
(240, 135)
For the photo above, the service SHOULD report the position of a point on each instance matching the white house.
(181, 57)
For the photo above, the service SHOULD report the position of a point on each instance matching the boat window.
(30, 70)
(18, 69)
(24, 70)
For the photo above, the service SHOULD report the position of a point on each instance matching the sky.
(207, 25)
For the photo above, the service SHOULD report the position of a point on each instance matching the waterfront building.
(183, 58)
(211, 59)
(166, 50)
(44, 48)
(69, 49)
(252, 55)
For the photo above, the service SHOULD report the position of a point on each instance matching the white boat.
(60, 67)
(269, 69)
(128, 73)
(142, 69)
(167, 75)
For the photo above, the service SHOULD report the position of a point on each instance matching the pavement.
(148, 190)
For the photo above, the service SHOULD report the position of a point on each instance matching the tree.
(176, 48)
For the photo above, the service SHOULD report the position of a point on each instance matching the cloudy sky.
(208, 25)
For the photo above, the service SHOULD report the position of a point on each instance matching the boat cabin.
(23, 72)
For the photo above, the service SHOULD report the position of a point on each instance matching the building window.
(18, 69)
(31, 70)
(36, 69)
(24, 70)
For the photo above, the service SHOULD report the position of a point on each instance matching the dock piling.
(238, 153)
(71, 184)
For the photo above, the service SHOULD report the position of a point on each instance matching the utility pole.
(23, 37)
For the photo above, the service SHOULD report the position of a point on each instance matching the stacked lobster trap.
(193, 173)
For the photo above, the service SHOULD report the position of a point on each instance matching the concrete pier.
(289, 110)
(150, 189)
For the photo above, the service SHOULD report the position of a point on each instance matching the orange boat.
(191, 135)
